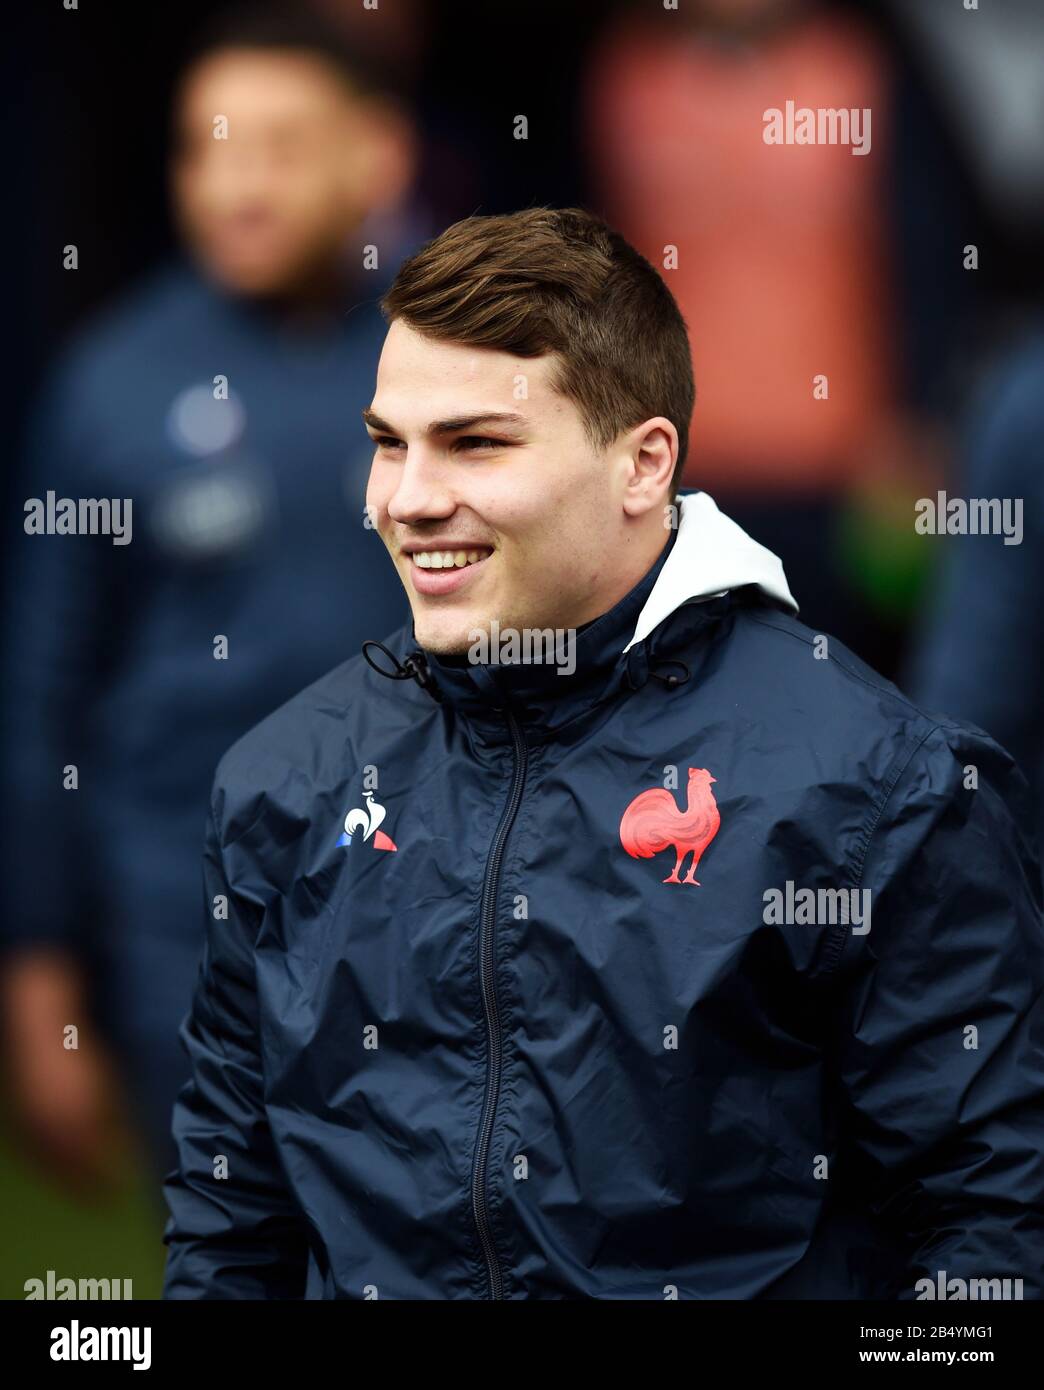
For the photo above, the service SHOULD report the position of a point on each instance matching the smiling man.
(552, 525)
(532, 984)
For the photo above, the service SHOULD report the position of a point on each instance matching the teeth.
(446, 559)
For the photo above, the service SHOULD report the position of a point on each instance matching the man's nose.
(423, 490)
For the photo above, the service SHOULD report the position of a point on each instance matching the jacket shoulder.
(823, 676)
(307, 743)
(828, 699)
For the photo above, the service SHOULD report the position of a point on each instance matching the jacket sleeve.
(59, 602)
(939, 1042)
(234, 1229)
(979, 654)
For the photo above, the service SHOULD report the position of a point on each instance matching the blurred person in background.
(795, 264)
(978, 653)
(222, 399)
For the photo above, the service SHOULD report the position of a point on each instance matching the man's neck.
(655, 555)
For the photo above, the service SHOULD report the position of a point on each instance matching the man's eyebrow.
(451, 425)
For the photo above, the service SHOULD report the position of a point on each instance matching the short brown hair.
(558, 280)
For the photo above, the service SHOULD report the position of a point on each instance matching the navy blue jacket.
(461, 1031)
(248, 525)
(980, 651)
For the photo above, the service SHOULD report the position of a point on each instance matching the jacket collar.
(704, 558)
(544, 693)
(713, 555)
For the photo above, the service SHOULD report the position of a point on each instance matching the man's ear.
(653, 453)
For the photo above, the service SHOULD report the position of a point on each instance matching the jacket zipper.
(494, 1042)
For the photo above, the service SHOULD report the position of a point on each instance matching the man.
(215, 399)
(512, 988)
(980, 646)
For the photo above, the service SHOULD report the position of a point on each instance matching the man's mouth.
(444, 571)
(449, 559)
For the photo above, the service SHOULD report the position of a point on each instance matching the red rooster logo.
(653, 821)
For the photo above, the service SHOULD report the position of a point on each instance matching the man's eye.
(468, 441)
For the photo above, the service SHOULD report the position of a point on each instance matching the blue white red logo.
(363, 823)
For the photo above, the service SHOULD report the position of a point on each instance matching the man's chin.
(443, 639)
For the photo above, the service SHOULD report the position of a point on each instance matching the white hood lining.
(711, 555)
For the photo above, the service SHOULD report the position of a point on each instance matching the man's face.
(266, 206)
(517, 519)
